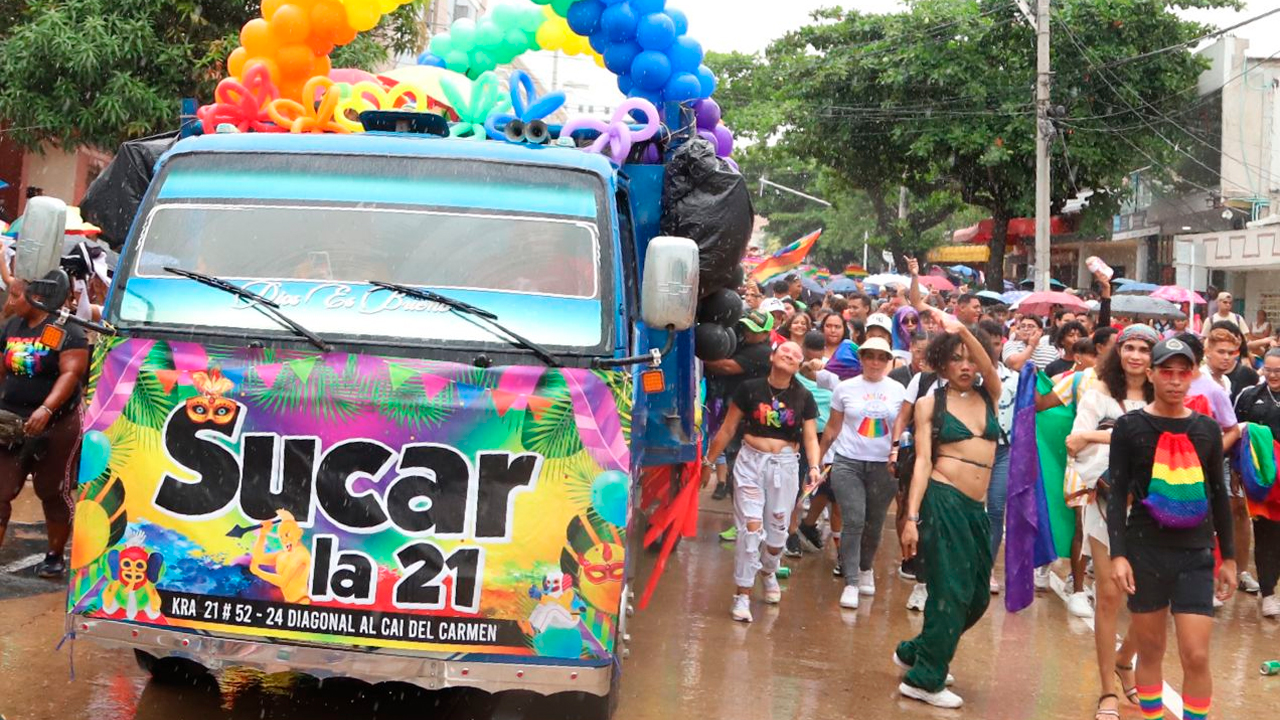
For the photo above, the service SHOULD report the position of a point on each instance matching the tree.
(940, 98)
(96, 72)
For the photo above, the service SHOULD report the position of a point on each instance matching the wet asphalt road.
(804, 659)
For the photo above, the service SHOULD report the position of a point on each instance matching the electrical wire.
(1188, 43)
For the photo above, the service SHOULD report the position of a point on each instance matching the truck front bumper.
(373, 665)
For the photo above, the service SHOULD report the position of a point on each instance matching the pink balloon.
(351, 76)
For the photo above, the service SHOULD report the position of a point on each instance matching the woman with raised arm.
(957, 429)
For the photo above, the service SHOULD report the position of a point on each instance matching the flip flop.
(1130, 691)
(1102, 713)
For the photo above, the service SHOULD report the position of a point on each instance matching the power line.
(1189, 43)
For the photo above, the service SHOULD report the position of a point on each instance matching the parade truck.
(377, 406)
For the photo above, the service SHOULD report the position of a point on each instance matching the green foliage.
(97, 72)
(553, 432)
(940, 99)
(150, 404)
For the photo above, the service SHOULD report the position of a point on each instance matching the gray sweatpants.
(863, 490)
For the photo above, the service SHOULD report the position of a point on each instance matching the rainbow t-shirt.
(869, 409)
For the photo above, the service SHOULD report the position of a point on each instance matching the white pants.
(765, 489)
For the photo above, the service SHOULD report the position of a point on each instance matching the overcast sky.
(749, 26)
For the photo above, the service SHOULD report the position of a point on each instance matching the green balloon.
(516, 38)
(456, 61)
(463, 33)
(488, 34)
(482, 62)
(531, 18)
(561, 7)
(505, 53)
(506, 17)
(441, 45)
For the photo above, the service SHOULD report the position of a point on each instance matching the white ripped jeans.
(765, 488)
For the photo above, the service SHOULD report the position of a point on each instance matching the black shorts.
(1177, 578)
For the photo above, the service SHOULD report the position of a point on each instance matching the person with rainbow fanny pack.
(1168, 502)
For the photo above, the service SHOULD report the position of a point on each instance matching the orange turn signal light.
(653, 381)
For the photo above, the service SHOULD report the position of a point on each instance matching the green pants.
(955, 545)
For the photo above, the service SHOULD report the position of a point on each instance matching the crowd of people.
(1146, 417)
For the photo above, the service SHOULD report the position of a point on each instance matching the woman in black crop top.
(779, 414)
(1168, 502)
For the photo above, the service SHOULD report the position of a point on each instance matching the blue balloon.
(598, 41)
(558, 642)
(95, 453)
(651, 70)
(609, 497)
(655, 31)
(624, 83)
(618, 57)
(680, 19)
(644, 7)
(619, 22)
(584, 16)
(708, 81)
(682, 87)
(685, 54)
(613, 2)
(431, 59)
(652, 96)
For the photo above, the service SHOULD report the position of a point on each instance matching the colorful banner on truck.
(354, 499)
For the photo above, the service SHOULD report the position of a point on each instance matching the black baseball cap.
(1166, 350)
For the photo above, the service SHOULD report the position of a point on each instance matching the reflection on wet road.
(804, 659)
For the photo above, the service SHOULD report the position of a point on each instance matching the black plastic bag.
(706, 201)
(115, 196)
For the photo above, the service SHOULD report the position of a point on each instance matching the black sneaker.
(811, 537)
(907, 571)
(52, 567)
(721, 492)
(838, 570)
(792, 548)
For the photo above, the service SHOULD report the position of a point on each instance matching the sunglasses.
(909, 321)
(1174, 373)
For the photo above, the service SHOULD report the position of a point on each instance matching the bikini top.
(952, 430)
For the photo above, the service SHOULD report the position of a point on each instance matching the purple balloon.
(709, 136)
(651, 156)
(724, 141)
(733, 165)
(708, 112)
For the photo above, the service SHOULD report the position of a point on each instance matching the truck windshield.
(310, 232)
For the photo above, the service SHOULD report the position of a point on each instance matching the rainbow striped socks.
(1151, 701)
(1195, 708)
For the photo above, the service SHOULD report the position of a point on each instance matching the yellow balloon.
(387, 6)
(92, 531)
(362, 14)
(363, 96)
(546, 37)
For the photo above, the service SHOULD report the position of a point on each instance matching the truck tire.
(175, 671)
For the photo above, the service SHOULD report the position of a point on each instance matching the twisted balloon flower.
(242, 104)
(617, 135)
(486, 99)
(367, 95)
(526, 105)
(309, 117)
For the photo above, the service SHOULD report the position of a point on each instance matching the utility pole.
(1043, 128)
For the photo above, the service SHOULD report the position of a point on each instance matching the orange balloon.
(327, 19)
(345, 35)
(295, 62)
(256, 37)
(319, 46)
(291, 90)
(235, 62)
(322, 66)
(291, 24)
(269, 7)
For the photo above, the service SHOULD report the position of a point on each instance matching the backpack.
(1176, 497)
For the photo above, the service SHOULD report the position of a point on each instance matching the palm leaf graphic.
(150, 404)
(553, 433)
(620, 384)
(95, 365)
(409, 406)
(327, 394)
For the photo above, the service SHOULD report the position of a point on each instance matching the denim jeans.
(997, 493)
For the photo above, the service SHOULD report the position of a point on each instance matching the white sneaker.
(742, 608)
(867, 582)
(1078, 605)
(1217, 603)
(951, 679)
(772, 591)
(1271, 606)
(1042, 577)
(919, 594)
(1248, 584)
(995, 586)
(849, 597)
(944, 698)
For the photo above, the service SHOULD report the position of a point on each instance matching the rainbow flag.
(819, 274)
(854, 270)
(788, 258)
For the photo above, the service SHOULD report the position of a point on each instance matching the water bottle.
(1271, 667)
(906, 440)
(1095, 264)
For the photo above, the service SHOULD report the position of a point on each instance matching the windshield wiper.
(468, 309)
(263, 304)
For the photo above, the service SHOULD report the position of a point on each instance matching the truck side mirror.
(669, 295)
(50, 292)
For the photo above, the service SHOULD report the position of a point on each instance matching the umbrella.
(1043, 303)
(1121, 281)
(76, 225)
(934, 282)
(963, 270)
(843, 284)
(1030, 284)
(1144, 307)
(1176, 294)
(887, 279)
(1137, 288)
(812, 285)
(990, 297)
(1014, 296)
(1008, 285)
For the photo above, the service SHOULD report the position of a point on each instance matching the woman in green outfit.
(946, 516)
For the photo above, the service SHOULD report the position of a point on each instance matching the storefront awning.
(959, 254)
(1018, 228)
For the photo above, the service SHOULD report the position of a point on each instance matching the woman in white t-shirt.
(1121, 373)
(863, 409)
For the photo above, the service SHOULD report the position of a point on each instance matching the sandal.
(1130, 691)
(1103, 713)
